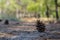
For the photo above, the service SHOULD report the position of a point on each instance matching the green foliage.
(36, 6)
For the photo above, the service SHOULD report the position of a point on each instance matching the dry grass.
(42, 19)
(6, 35)
(23, 28)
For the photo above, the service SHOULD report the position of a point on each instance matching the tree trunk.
(47, 12)
(17, 15)
(57, 17)
(47, 9)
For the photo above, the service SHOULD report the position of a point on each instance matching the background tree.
(13, 8)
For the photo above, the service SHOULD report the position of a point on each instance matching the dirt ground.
(28, 31)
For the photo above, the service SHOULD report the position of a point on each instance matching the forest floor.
(28, 31)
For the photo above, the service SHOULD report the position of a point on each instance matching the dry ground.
(28, 31)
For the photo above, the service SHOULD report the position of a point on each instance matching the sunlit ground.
(45, 20)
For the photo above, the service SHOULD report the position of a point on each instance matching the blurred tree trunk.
(2, 11)
(17, 15)
(47, 9)
(47, 12)
(56, 5)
